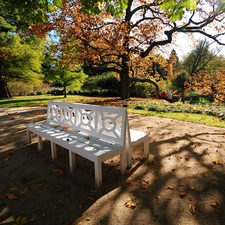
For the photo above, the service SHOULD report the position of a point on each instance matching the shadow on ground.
(182, 182)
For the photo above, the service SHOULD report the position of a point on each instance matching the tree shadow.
(178, 184)
(34, 186)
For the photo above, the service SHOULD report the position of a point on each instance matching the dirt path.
(182, 182)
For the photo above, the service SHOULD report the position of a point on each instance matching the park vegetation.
(114, 48)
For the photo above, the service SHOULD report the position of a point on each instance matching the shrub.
(17, 88)
(105, 84)
(204, 101)
(142, 90)
(41, 89)
(179, 81)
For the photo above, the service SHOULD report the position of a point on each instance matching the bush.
(17, 88)
(105, 84)
(41, 89)
(204, 101)
(192, 94)
(142, 90)
(179, 81)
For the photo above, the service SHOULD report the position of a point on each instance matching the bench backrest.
(108, 123)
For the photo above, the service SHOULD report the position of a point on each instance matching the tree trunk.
(125, 86)
(64, 91)
(124, 78)
(4, 91)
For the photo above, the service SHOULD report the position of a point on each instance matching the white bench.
(94, 132)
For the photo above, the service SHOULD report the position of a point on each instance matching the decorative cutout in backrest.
(99, 121)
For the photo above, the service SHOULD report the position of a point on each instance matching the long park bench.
(94, 132)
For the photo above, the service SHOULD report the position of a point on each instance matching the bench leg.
(98, 173)
(28, 136)
(72, 161)
(146, 148)
(129, 158)
(53, 150)
(40, 144)
(123, 163)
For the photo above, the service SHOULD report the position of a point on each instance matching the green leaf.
(51, 8)
(176, 10)
(58, 3)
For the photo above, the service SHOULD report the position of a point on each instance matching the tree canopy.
(113, 35)
(109, 44)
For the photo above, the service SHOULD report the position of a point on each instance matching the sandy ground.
(182, 181)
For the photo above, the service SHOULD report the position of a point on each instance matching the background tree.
(20, 59)
(173, 64)
(108, 44)
(204, 69)
(67, 73)
(199, 59)
(69, 79)
(15, 18)
(209, 82)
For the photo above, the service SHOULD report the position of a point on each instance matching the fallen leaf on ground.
(7, 158)
(182, 194)
(24, 191)
(170, 187)
(214, 205)
(33, 218)
(217, 161)
(58, 171)
(217, 202)
(38, 186)
(38, 113)
(192, 208)
(21, 220)
(13, 188)
(146, 181)
(149, 191)
(129, 182)
(10, 196)
(154, 163)
(91, 198)
(2, 189)
(132, 202)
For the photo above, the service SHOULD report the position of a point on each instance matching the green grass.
(190, 117)
(42, 100)
(28, 101)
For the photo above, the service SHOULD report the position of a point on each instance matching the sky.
(184, 44)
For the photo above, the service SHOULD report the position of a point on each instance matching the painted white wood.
(28, 136)
(53, 150)
(97, 133)
(40, 144)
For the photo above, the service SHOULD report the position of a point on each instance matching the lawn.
(206, 114)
